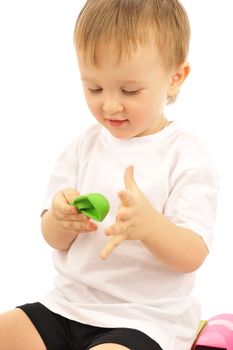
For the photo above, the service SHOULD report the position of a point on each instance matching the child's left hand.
(135, 216)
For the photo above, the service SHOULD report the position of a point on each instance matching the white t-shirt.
(132, 288)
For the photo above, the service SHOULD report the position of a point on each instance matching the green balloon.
(94, 205)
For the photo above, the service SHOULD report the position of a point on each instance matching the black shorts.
(60, 333)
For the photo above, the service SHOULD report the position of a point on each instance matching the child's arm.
(179, 248)
(62, 223)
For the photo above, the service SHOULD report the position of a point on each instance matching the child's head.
(122, 29)
(127, 23)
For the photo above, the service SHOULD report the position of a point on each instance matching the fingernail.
(103, 256)
(91, 226)
(106, 232)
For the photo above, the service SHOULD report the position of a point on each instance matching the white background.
(42, 109)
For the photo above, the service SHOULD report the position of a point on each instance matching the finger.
(118, 228)
(70, 194)
(110, 246)
(130, 183)
(71, 215)
(78, 227)
(60, 205)
(126, 198)
(77, 217)
(124, 214)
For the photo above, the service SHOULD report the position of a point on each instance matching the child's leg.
(18, 333)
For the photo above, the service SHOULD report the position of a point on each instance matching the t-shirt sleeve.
(64, 174)
(192, 202)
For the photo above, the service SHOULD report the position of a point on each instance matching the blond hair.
(127, 23)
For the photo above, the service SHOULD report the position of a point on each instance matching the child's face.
(128, 97)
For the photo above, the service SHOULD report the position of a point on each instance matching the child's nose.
(111, 106)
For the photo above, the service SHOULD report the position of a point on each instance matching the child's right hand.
(67, 216)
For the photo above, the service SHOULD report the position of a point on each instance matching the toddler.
(125, 283)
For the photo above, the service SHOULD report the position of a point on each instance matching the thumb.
(130, 183)
(69, 194)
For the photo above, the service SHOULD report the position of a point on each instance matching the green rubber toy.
(94, 205)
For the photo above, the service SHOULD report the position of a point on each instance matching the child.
(125, 283)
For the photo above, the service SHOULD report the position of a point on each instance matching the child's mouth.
(117, 123)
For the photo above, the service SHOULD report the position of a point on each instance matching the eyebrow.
(134, 82)
(86, 79)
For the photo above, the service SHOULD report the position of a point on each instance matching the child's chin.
(120, 133)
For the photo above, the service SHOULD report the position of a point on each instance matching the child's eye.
(130, 92)
(95, 91)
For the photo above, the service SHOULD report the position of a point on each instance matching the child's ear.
(178, 77)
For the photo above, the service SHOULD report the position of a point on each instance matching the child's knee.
(18, 333)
